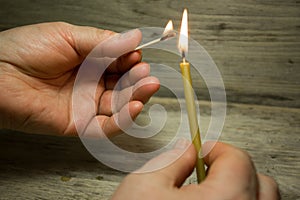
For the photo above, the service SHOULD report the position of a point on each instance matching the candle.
(189, 96)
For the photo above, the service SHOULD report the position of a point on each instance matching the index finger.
(117, 45)
(230, 172)
(231, 175)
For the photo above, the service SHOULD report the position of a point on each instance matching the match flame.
(183, 37)
(168, 28)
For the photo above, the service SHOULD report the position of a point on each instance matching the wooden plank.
(256, 44)
(47, 167)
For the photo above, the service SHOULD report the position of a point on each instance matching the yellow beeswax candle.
(192, 116)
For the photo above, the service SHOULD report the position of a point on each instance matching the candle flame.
(183, 37)
(168, 28)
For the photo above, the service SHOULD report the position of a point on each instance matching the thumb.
(84, 38)
(118, 45)
(177, 164)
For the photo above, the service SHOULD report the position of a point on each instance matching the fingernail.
(128, 34)
(182, 143)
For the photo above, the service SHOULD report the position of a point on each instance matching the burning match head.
(168, 32)
(169, 35)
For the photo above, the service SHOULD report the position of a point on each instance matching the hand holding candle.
(189, 96)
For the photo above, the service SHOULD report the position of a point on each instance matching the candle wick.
(183, 56)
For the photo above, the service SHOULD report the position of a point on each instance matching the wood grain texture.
(255, 43)
(45, 167)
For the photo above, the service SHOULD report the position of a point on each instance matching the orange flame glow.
(183, 37)
(168, 28)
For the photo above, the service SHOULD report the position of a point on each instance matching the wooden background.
(255, 44)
